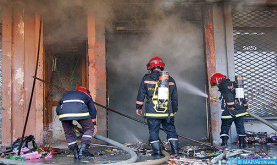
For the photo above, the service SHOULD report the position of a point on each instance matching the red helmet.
(216, 76)
(82, 89)
(156, 61)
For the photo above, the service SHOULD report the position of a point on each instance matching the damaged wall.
(97, 75)
(20, 38)
(20, 42)
(1, 79)
(223, 40)
(178, 40)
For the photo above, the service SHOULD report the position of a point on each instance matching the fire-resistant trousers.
(87, 127)
(154, 128)
(226, 124)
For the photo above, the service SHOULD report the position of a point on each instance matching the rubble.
(189, 154)
(27, 154)
(260, 137)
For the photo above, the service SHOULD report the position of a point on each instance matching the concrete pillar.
(39, 90)
(18, 69)
(209, 45)
(29, 65)
(19, 56)
(220, 59)
(7, 76)
(219, 31)
(227, 7)
(97, 68)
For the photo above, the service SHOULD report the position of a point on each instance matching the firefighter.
(233, 108)
(158, 112)
(78, 105)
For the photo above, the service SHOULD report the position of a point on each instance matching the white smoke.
(177, 41)
(64, 20)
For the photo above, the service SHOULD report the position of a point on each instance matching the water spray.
(190, 88)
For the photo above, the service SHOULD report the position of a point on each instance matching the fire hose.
(134, 156)
(132, 153)
(129, 117)
(156, 161)
(263, 121)
(145, 123)
(127, 149)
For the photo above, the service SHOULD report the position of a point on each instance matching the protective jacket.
(76, 105)
(146, 90)
(231, 106)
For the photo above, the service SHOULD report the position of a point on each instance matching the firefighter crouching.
(161, 105)
(78, 105)
(234, 106)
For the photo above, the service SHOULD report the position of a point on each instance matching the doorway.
(178, 39)
(64, 67)
(65, 59)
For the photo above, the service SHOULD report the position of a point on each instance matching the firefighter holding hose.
(78, 105)
(161, 105)
(234, 106)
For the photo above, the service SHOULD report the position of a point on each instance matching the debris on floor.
(260, 137)
(189, 154)
(27, 154)
(197, 155)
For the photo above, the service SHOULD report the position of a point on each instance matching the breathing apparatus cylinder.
(163, 89)
(239, 91)
(239, 87)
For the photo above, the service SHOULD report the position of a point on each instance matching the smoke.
(172, 33)
(61, 8)
(64, 20)
(172, 38)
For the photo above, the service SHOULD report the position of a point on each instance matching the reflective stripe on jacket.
(76, 105)
(227, 91)
(146, 91)
(238, 115)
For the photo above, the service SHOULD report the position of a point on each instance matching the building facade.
(108, 54)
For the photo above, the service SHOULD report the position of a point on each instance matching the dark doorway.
(65, 66)
(65, 56)
(178, 39)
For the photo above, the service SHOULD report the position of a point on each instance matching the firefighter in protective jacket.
(161, 104)
(233, 108)
(77, 105)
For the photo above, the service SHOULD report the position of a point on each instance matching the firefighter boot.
(241, 142)
(156, 147)
(224, 141)
(84, 151)
(174, 148)
(76, 153)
